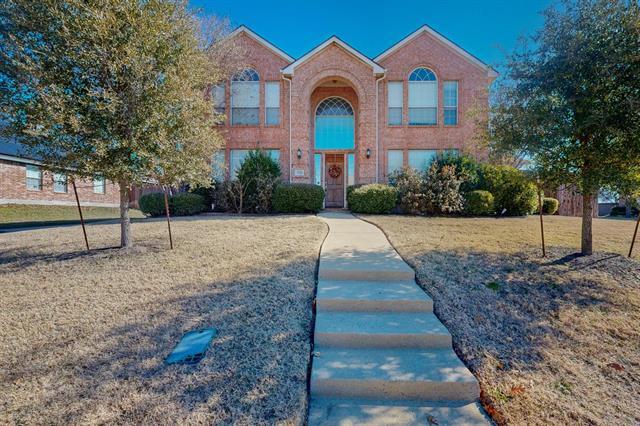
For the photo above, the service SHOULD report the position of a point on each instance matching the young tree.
(112, 87)
(572, 102)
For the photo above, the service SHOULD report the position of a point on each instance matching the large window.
(218, 170)
(98, 185)
(219, 101)
(423, 97)
(334, 125)
(237, 156)
(394, 160)
(272, 103)
(60, 183)
(394, 101)
(245, 98)
(421, 159)
(34, 178)
(450, 89)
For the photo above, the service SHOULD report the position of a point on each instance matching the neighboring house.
(24, 181)
(336, 117)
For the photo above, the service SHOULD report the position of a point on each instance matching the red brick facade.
(336, 69)
(13, 188)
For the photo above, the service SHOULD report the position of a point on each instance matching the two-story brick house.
(336, 117)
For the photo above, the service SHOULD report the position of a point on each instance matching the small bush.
(479, 203)
(374, 199)
(186, 204)
(352, 188)
(466, 167)
(550, 205)
(207, 193)
(152, 204)
(442, 190)
(298, 198)
(622, 211)
(259, 175)
(409, 186)
(511, 189)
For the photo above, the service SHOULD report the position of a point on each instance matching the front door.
(334, 178)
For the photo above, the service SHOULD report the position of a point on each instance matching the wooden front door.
(334, 178)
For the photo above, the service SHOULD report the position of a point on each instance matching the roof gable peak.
(252, 34)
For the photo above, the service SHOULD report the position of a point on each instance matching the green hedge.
(298, 198)
(374, 198)
(511, 189)
(550, 205)
(181, 204)
(479, 203)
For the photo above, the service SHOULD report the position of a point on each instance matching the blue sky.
(484, 28)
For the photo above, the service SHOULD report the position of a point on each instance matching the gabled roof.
(427, 29)
(289, 69)
(244, 29)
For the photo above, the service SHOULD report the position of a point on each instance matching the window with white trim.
(394, 103)
(395, 160)
(218, 171)
(423, 97)
(245, 98)
(34, 178)
(60, 183)
(237, 156)
(219, 102)
(98, 185)
(272, 103)
(450, 95)
(421, 159)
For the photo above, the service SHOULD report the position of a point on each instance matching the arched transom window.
(423, 97)
(245, 97)
(335, 125)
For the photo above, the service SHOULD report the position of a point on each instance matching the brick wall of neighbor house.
(13, 189)
(336, 69)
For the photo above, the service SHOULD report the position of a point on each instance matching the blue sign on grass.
(192, 347)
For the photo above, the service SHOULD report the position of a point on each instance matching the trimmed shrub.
(298, 198)
(466, 167)
(259, 175)
(351, 188)
(511, 189)
(479, 203)
(373, 198)
(152, 204)
(442, 190)
(409, 186)
(186, 204)
(206, 193)
(550, 205)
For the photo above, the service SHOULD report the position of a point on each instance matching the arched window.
(423, 97)
(335, 125)
(245, 97)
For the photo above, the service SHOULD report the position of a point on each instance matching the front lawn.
(24, 215)
(84, 336)
(552, 341)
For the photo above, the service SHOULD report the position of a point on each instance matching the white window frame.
(235, 163)
(255, 85)
(394, 152)
(422, 103)
(219, 100)
(450, 107)
(30, 171)
(60, 179)
(271, 102)
(99, 185)
(392, 103)
(433, 152)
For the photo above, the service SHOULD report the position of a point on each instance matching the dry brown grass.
(552, 341)
(84, 336)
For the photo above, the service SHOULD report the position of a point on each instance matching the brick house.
(336, 117)
(24, 181)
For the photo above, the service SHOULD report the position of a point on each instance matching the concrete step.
(381, 330)
(392, 374)
(372, 296)
(345, 412)
(373, 264)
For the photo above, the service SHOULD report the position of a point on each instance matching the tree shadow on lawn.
(254, 371)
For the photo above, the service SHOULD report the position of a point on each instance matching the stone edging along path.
(381, 356)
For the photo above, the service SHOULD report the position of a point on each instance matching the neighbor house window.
(450, 90)
(219, 102)
(394, 161)
(394, 101)
(420, 159)
(60, 183)
(98, 185)
(237, 156)
(423, 97)
(34, 178)
(245, 98)
(272, 103)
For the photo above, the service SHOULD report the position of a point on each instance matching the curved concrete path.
(381, 357)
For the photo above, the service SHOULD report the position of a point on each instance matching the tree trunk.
(587, 221)
(125, 221)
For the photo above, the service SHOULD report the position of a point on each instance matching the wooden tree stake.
(544, 251)
(166, 209)
(635, 234)
(84, 231)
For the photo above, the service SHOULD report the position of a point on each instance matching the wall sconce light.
(299, 153)
(368, 153)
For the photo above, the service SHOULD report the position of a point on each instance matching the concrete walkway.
(381, 357)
